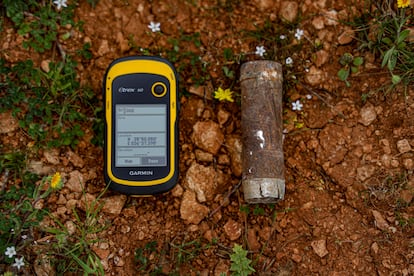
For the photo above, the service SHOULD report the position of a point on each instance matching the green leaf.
(387, 41)
(343, 74)
(358, 61)
(354, 69)
(227, 72)
(228, 54)
(240, 264)
(82, 264)
(395, 79)
(401, 46)
(66, 36)
(392, 62)
(403, 35)
(387, 56)
(346, 59)
(24, 29)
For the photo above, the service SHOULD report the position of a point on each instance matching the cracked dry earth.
(348, 169)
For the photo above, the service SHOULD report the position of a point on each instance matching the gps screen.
(140, 135)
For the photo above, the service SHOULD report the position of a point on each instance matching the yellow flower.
(223, 95)
(56, 182)
(403, 3)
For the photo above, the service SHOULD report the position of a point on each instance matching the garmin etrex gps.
(141, 125)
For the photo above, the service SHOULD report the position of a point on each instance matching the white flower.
(155, 26)
(309, 96)
(297, 105)
(282, 37)
(24, 237)
(289, 60)
(10, 251)
(60, 3)
(18, 262)
(299, 34)
(260, 50)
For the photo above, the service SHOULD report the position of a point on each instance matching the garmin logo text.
(141, 172)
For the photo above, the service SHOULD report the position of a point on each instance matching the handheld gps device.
(141, 125)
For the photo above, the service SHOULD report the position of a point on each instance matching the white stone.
(70, 227)
(44, 65)
(8, 123)
(201, 180)
(322, 57)
(234, 147)
(233, 229)
(315, 76)
(75, 159)
(43, 265)
(380, 222)
(365, 172)
(190, 210)
(289, 10)
(76, 181)
(103, 48)
(368, 114)
(318, 23)
(403, 146)
(319, 247)
(208, 136)
(331, 18)
(346, 36)
(39, 168)
(52, 156)
(114, 204)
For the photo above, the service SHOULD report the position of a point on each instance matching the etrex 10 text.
(141, 125)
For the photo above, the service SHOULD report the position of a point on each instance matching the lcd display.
(140, 135)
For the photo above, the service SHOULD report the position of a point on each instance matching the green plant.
(85, 52)
(185, 251)
(258, 210)
(350, 66)
(72, 248)
(245, 209)
(188, 62)
(47, 104)
(398, 51)
(240, 264)
(387, 34)
(150, 259)
(92, 2)
(141, 254)
(404, 220)
(22, 212)
(228, 72)
(277, 38)
(39, 21)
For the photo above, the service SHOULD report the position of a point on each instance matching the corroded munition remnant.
(263, 163)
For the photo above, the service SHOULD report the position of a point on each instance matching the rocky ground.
(348, 161)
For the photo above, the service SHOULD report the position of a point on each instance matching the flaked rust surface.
(261, 121)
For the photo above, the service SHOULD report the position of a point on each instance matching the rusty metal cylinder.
(262, 131)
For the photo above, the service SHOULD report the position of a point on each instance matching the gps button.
(159, 89)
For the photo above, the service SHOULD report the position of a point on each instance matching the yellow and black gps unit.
(141, 125)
